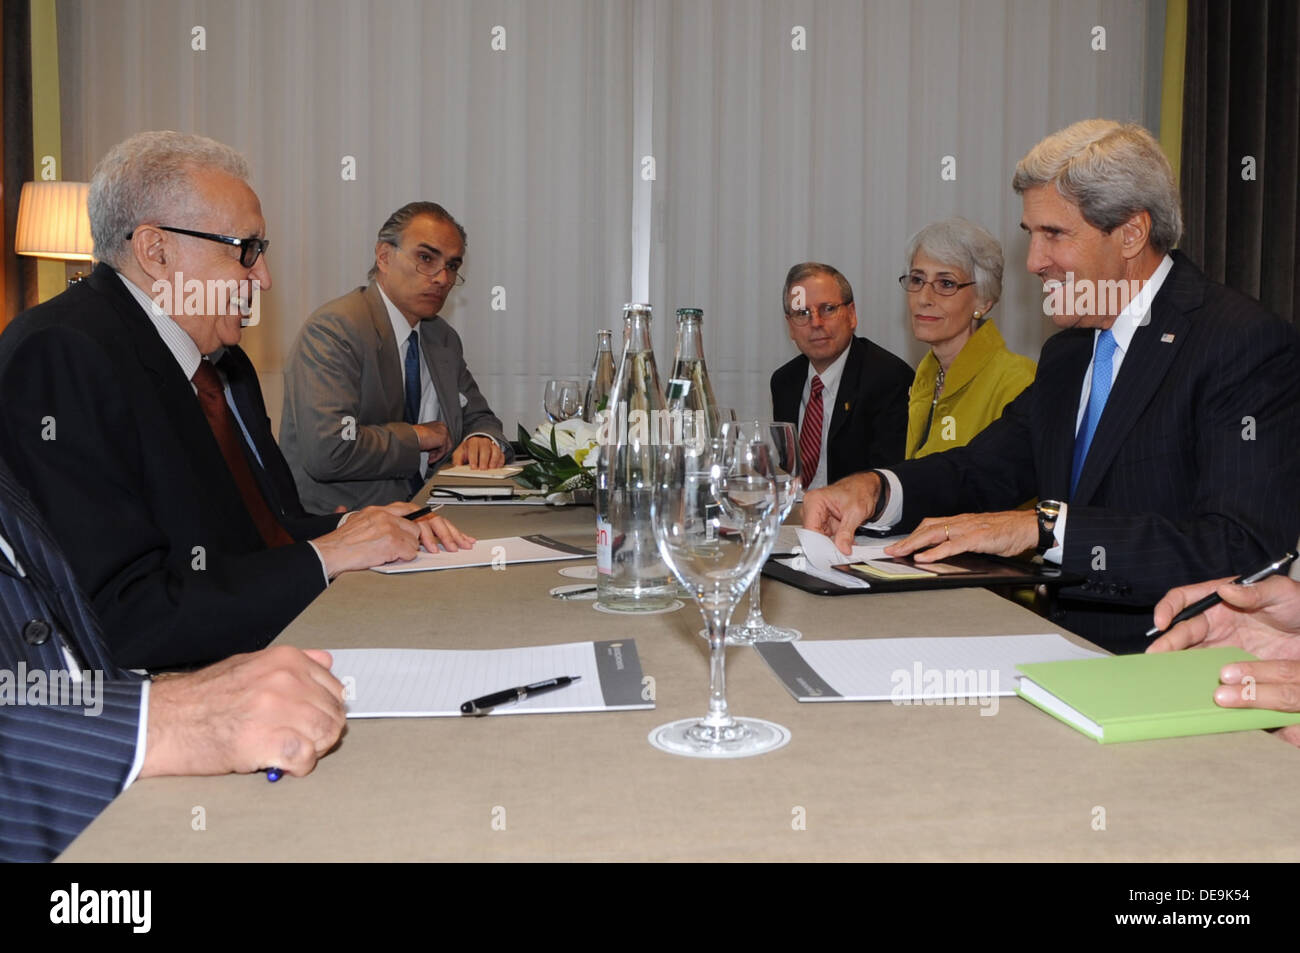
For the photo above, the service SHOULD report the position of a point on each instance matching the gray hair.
(805, 270)
(147, 179)
(965, 246)
(1111, 171)
(391, 231)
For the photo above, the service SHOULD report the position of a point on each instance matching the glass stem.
(755, 620)
(718, 716)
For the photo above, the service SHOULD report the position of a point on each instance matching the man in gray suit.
(376, 386)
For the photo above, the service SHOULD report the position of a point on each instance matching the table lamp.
(53, 223)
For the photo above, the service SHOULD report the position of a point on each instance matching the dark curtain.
(18, 277)
(1241, 99)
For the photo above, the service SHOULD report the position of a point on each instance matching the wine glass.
(563, 400)
(785, 442)
(782, 462)
(714, 511)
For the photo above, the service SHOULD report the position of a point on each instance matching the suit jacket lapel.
(445, 374)
(390, 357)
(850, 387)
(1150, 356)
(1057, 387)
(176, 398)
(789, 392)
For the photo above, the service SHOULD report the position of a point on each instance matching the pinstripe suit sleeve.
(60, 767)
(60, 764)
(1230, 458)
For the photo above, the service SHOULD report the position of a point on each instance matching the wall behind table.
(764, 155)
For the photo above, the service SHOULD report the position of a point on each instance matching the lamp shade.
(53, 221)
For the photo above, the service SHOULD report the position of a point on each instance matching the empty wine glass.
(563, 400)
(781, 461)
(715, 513)
(785, 442)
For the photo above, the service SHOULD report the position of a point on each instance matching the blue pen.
(274, 774)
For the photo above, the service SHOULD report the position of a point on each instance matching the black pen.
(1213, 599)
(422, 511)
(480, 706)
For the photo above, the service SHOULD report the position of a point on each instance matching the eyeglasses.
(250, 249)
(942, 286)
(801, 317)
(430, 263)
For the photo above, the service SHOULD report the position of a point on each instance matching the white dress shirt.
(430, 410)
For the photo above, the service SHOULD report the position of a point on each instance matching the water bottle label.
(604, 551)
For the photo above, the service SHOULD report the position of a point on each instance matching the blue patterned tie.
(411, 413)
(1097, 394)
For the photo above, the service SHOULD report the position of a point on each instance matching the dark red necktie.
(810, 434)
(212, 400)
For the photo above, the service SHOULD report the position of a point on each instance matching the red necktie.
(212, 400)
(810, 434)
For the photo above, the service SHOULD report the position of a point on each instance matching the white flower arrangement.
(564, 454)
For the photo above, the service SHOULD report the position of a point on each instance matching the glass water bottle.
(631, 575)
(602, 377)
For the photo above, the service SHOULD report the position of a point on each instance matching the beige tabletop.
(857, 780)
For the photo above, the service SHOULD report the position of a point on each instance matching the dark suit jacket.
(98, 421)
(1193, 472)
(60, 764)
(869, 420)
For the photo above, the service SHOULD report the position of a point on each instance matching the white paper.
(930, 668)
(422, 683)
(502, 551)
(820, 554)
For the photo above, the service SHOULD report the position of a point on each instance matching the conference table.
(857, 781)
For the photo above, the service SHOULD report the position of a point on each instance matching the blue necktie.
(1097, 394)
(411, 413)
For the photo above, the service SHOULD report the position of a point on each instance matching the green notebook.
(1140, 697)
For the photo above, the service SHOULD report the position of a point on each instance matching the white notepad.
(496, 473)
(419, 683)
(503, 551)
(899, 670)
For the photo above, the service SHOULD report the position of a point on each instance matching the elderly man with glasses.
(377, 390)
(137, 424)
(847, 395)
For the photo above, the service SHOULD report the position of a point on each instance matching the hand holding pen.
(1214, 598)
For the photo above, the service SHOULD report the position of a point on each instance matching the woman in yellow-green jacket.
(954, 279)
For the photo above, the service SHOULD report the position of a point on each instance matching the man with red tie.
(847, 395)
(131, 414)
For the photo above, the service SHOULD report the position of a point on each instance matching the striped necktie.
(810, 435)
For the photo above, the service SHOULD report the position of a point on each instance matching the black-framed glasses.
(250, 249)
(942, 286)
(429, 263)
(824, 311)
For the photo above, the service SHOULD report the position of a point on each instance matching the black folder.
(971, 569)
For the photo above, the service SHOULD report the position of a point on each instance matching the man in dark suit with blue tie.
(1160, 432)
(131, 415)
(84, 728)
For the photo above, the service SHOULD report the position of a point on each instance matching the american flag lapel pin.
(1166, 339)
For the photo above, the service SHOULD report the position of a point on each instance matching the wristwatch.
(1048, 512)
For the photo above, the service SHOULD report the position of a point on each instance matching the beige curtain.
(763, 154)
